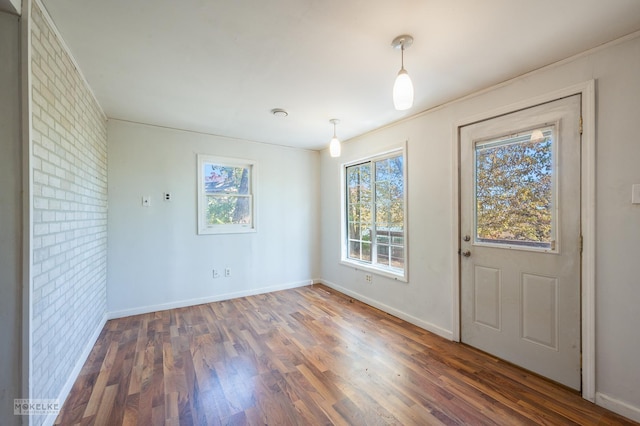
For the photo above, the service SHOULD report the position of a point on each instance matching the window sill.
(227, 230)
(387, 273)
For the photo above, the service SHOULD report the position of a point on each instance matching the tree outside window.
(514, 190)
(375, 214)
(226, 195)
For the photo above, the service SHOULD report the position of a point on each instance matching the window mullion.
(374, 214)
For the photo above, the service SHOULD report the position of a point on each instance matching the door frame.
(587, 215)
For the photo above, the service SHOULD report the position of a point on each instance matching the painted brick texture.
(69, 198)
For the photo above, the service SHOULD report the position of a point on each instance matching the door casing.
(587, 213)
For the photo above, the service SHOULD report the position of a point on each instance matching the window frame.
(203, 227)
(386, 271)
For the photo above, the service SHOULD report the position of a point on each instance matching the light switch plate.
(635, 193)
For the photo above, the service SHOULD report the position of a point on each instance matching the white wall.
(424, 300)
(156, 258)
(427, 298)
(68, 172)
(10, 217)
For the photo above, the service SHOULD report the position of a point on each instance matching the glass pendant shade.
(537, 135)
(403, 91)
(334, 147)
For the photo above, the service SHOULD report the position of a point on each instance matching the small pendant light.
(536, 136)
(402, 88)
(334, 145)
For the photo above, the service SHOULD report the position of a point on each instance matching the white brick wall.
(69, 175)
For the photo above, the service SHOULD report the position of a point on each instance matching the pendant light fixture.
(536, 136)
(334, 145)
(402, 88)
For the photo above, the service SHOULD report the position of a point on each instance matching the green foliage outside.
(514, 190)
(228, 199)
(359, 211)
(382, 183)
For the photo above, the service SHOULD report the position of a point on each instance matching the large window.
(375, 218)
(226, 191)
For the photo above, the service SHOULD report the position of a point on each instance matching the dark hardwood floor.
(304, 356)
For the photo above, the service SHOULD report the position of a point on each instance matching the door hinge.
(581, 243)
(581, 125)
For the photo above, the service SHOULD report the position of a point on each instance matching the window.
(375, 218)
(226, 191)
(515, 190)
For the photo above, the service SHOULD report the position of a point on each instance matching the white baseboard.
(620, 407)
(447, 334)
(73, 376)
(199, 301)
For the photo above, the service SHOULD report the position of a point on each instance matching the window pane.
(383, 214)
(354, 249)
(397, 238)
(389, 191)
(220, 179)
(366, 252)
(353, 178)
(352, 212)
(397, 257)
(365, 213)
(382, 170)
(382, 190)
(383, 254)
(390, 211)
(382, 237)
(354, 231)
(365, 184)
(358, 186)
(396, 212)
(225, 210)
(514, 194)
(396, 167)
(359, 183)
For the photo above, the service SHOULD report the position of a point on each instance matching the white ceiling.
(219, 67)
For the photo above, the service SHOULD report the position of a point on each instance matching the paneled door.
(520, 248)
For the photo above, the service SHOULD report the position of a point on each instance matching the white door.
(520, 238)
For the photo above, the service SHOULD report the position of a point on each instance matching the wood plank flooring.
(306, 356)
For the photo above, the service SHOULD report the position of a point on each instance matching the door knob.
(466, 253)
(467, 238)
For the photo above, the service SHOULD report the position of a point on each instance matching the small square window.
(226, 195)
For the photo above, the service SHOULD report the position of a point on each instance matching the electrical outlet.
(216, 274)
(167, 196)
(227, 272)
(368, 278)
